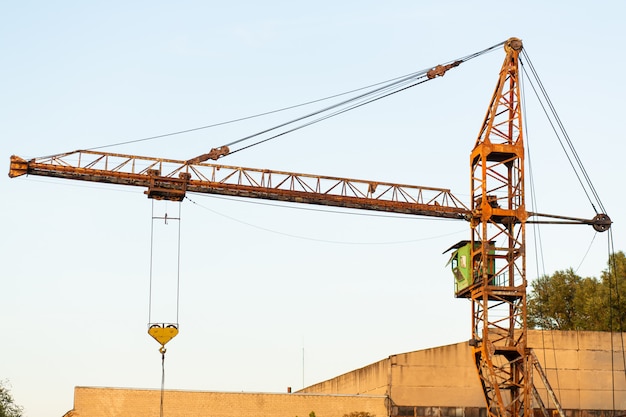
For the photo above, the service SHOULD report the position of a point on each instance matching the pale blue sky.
(260, 283)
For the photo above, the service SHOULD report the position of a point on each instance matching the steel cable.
(385, 85)
(395, 86)
(162, 381)
(590, 187)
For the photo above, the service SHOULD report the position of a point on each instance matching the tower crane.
(489, 268)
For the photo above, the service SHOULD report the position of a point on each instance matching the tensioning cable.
(563, 138)
(594, 199)
(385, 90)
(371, 90)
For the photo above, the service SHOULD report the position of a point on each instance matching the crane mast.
(498, 293)
(495, 278)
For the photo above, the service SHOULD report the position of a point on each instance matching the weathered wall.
(443, 376)
(424, 377)
(578, 365)
(585, 369)
(372, 380)
(118, 402)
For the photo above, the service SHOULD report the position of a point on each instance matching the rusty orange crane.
(490, 267)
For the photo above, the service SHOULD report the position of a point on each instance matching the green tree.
(566, 301)
(591, 305)
(8, 408)
(613, 293)
(552, 304)
(359, 414)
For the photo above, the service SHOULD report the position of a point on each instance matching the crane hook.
(163, 333)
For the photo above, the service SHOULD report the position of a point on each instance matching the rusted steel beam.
(172, 179)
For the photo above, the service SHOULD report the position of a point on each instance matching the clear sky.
(273, 296)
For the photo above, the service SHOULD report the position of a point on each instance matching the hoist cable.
(151, 263)
(533, 196)
(159, 336)
(180, 217)
(611, 268)
(579, 170)
(162, 381)
(589, 188)
(538, 247)
(557, 119)
(178, 263)
(613, 273)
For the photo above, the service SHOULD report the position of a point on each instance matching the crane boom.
(169, 179)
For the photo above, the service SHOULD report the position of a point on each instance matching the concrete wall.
(371, 380)
(585, 369)
(443, 376)
(117, 402)
(578, 366)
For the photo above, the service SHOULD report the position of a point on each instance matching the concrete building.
(586, 371)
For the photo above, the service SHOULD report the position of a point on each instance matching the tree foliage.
(566, 301)
(8, 408)
(359, 414)
(613, 293)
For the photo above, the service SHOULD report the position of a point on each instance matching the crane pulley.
(490, 267)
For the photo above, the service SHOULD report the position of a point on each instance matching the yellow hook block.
(163, 333)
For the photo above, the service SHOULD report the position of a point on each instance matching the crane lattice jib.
(172, 179)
